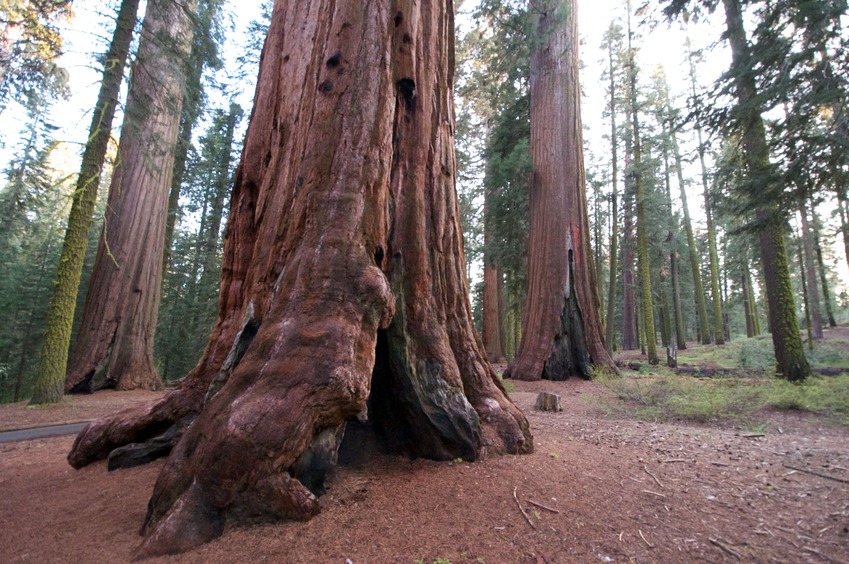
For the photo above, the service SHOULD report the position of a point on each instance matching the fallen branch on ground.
(653, 476)
(725, 548)
(541, 506)
(519, 505)
(826, 476)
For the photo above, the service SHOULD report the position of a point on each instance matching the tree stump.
(546, 401)
(671, 357)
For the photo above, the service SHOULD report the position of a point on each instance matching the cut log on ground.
(546, 401)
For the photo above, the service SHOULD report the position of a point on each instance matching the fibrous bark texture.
(343, 281)
(114, 347)
(562, 333)
(50, 385)
(493, 311)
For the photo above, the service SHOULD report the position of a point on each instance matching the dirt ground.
(595, 490)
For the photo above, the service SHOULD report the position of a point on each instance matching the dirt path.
(621, 491)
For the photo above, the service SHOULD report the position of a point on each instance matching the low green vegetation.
(741, 392)
(672, 397)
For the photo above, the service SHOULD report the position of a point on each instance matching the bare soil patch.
(621, 491)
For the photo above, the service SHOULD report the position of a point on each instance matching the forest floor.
(601, 486)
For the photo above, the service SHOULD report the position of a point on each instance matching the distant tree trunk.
(614, 210)
(810, 274)
(747, 306)
(805, 297)
(789, 352)
(826, 293)
(716, 294)
(630, 341)
(115, 343)
(491, 323)
(843, 212)
(718, 333)
(753, 305)
(693, 252)
(562, 333)
(343, 282)
(698, 287)
(674, 271)
(664, 312)
(643, 260)
(53, 362)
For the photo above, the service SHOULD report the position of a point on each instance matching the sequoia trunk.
(343, 281)
(491, 325)
(562, 333)
(115, 343)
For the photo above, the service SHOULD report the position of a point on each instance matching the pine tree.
(613, 43)
(790, 356)
(60, 319)
(643, 260)
(30, 44)
(32, 202)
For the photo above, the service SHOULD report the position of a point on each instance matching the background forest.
(664, 151)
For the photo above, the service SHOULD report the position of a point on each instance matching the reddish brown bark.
(562, 333)
(343, 281)
(491, 327)
(493, 297)
(114, 346)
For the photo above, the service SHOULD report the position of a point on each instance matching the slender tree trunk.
(826, 293)
(115, 343)
(789, 352)
(716, 294)
(614, 210)
(664, 313)
(343, 282)
(805, 296)
(674, 271)
(747, 306)
(643, 260)
(844, 215)
(711, 232)
(53, 360)
(810, 274)
(630, 340)
(563, 334)
(698, 287)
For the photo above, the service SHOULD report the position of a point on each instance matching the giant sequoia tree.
(562, 331)
(343, 281)
(114, 346)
